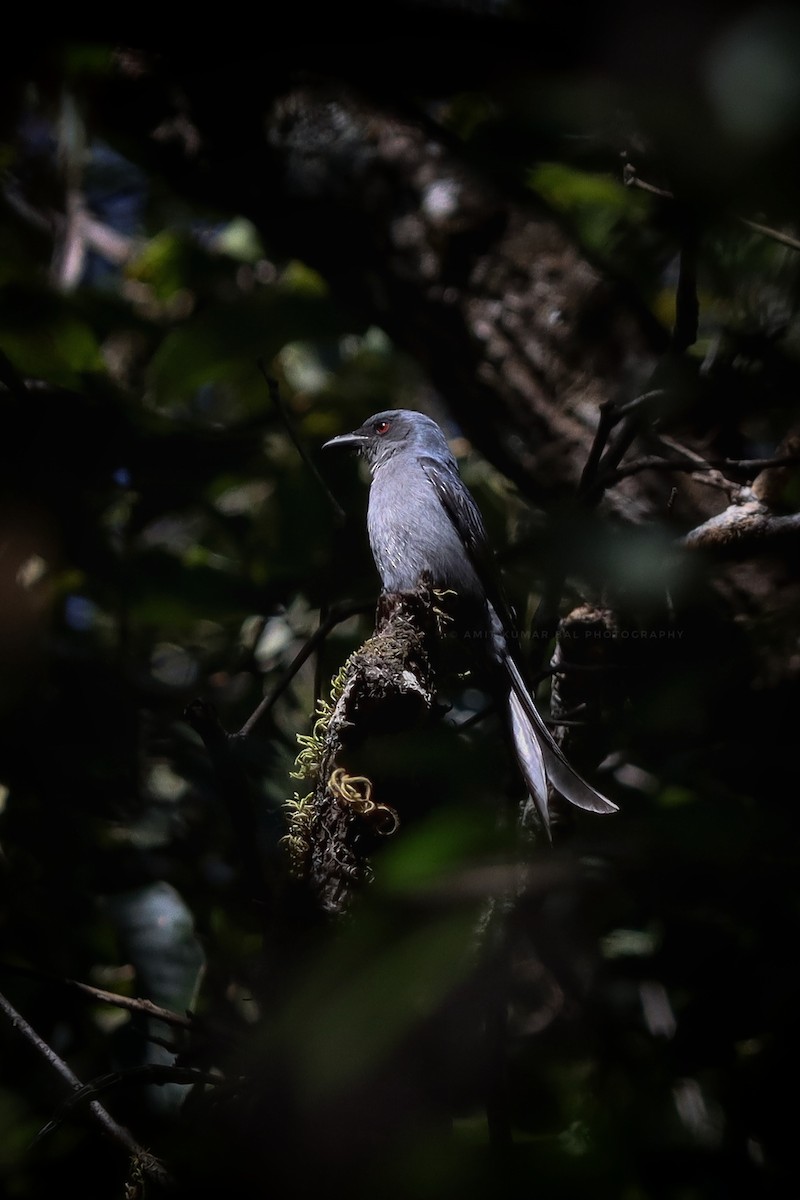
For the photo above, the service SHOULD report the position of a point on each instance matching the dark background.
(438, 220)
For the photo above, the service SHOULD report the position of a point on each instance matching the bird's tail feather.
(530, 759)
(546, 759)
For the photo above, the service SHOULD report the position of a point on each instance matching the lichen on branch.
(385, 686)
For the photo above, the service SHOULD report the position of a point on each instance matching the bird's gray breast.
(411, 533)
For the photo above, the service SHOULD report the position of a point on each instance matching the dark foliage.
(569, 238)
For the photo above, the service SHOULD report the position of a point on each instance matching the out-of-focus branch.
(744, 530)
(130, 1003)
(153, 1073)
(223, 751)
(334, 617)
(277, 400)
(146, 1161)
(631, 178)
(744, 466)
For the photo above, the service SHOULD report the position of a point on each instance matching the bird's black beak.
(356, 439)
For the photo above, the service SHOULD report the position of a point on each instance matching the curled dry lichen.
(354, 792)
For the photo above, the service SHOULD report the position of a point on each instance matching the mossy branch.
(386, 685)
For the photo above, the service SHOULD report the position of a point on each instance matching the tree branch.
(753, 466)
(153, 1073)
(147, 1162)
(131, 1004)
(631, 179)
(743, 530)
(334, 617)
(385, 685)
(277, 400)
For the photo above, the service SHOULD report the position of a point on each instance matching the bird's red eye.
(382, 426)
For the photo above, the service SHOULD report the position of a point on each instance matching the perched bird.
(422, 520)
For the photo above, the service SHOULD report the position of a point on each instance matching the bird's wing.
(465, 515)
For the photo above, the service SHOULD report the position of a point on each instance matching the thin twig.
(277, 400)
(234, 785)
(605, 450)
(130, 1003)
(631, 406)
(608, 419)
(605, 453)
(118, 1133)
(777, 235)
(336, 615)
(133, 1004)
(153, 1073)
(617, 447)
(753, 465)
(631, 179)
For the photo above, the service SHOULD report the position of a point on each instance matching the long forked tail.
(540, 757)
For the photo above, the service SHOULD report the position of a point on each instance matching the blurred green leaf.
(61, 350)
(377, 988)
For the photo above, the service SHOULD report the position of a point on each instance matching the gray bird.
(423, 520)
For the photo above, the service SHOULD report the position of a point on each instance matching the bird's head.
(384, 434)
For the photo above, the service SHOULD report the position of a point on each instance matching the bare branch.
(277, 400)
(743, 530)
(133, 1004)
(153, 1073)
(631, 179)
(118, 1133)
(337, 614)
(751, 466)
(130, 1003)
